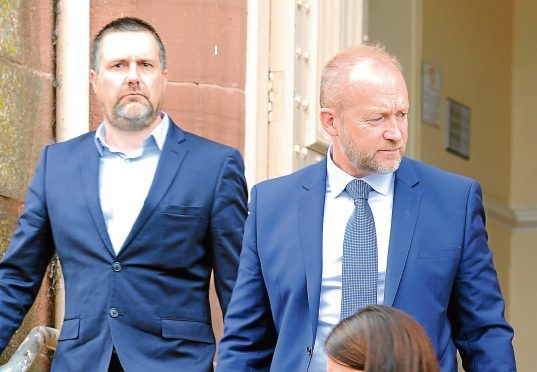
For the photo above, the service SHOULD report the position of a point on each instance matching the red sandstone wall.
(26, 124)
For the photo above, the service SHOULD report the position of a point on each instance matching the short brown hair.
(126, 24)
(381, 339)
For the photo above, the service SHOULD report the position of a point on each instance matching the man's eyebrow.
(118, 59)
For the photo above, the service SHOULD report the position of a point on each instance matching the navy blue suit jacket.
(151, 300)
(439, 270)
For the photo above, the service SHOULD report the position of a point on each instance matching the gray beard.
(365, 162)
(122, 119)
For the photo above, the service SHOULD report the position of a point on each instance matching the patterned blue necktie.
(359, 277)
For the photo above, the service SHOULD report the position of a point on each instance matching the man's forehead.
(372, 69)
(381, 90)
(118, 42)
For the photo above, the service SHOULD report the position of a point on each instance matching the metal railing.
(38, 338)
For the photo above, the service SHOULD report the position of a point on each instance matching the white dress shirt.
(125, 179)
(338, 207)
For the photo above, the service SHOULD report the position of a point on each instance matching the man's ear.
(164, 79)
(92, 77)
(328, 119)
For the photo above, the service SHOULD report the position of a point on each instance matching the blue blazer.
(151, 300)
(439, 271)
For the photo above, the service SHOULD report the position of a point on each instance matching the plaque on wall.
(430, 99)
(458, 128)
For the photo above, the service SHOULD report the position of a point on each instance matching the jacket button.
(309, 350)
(114, 313)
(116, 266)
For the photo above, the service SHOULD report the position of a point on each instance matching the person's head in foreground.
(379, 339)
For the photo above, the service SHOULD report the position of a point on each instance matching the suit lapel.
(170, 161)
(406, 202)
(89, 170)
(310, 223)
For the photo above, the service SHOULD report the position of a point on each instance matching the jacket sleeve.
(249, 332)
(482, 335)
(227, 225)
(24, 264)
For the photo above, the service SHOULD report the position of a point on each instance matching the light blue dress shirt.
(338, 208)
(125, 179)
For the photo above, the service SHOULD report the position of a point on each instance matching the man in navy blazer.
(139, 213)
(433, 258)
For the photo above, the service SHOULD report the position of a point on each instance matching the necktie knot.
(358, 189)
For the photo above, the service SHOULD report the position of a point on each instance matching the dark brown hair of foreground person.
(381, 339)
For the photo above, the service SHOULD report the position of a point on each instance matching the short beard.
(122, 119)
(363, 161)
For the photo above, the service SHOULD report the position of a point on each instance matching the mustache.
(134, 89)
(132, 94)
(132, 97)
(391, 148)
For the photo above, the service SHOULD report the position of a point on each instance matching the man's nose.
(133, 73)
(393, 130)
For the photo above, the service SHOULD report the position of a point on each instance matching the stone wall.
(26, 125)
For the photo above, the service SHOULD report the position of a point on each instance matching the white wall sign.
(432, 83)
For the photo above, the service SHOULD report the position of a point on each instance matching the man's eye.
(402, 114)
(376, 119)
(117, 65)
(147, 64)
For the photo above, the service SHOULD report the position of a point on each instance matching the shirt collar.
(158, 135)
(337, 179)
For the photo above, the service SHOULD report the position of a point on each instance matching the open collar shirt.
(125, 180)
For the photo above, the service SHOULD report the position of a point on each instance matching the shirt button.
(116, 266)
(309, 350)
(113, 312)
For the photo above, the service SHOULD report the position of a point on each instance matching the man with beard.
(139, 212)
(364, 226)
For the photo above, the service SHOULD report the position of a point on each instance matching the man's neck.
(128, 141)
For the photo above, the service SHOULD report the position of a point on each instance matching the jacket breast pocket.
(187, 330)
(437, 252)
(180, 226)
(70, 329)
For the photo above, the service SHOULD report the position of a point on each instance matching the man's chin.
(390, 160)
(134, 108)
(382, 166)
(389, 167)
(135, 115)
(132, 121)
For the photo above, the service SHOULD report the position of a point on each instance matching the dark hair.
(381, 339)
(126, 24)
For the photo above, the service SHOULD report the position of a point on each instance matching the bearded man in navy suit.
(139, 212)
(432, 258)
